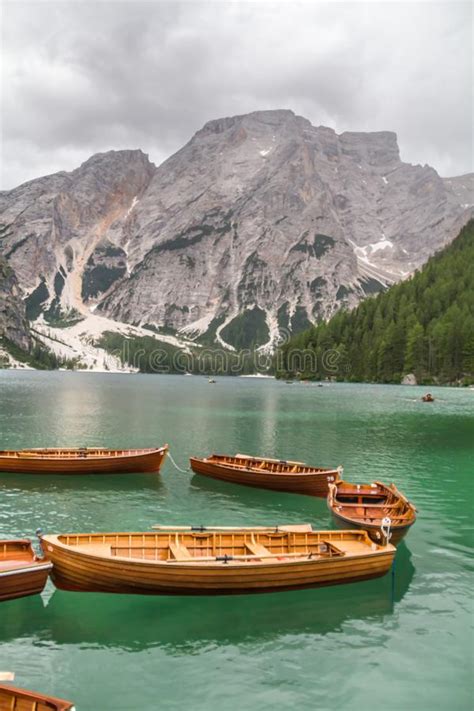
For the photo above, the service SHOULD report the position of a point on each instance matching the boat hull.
(313, 484)
(22, 700)
(397, 533)
(80, 571)
(150, 461)
(21, 573)
(25, 582)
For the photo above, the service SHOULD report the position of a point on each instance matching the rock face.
(258, 225)
(13, 323)
(56, 231)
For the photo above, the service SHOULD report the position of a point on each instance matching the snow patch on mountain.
(134, 202)
(78, 342)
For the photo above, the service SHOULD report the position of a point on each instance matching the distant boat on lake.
(82, 460)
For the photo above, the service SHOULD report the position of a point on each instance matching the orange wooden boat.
(22, 573)
(296, 477)
(213, 562)
(82, 460)
(13, 699)
(371, 506)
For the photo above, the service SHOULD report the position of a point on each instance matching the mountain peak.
(134, 155)
(272, 117)
(259, 225)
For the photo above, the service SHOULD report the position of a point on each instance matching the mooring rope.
(183, 471)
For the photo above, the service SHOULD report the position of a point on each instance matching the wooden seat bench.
(257, 548)
(179, 551)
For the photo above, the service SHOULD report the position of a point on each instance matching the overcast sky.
(81, 77)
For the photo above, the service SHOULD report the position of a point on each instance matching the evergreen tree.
(423, 325)
(415, 360)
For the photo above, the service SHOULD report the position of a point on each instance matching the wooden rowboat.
(296, 477)
(82, 460)
(22, 573)
(213, 562)
(366, 506)
(13, 699)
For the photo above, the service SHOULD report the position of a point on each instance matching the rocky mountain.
(260, 224)
(13, 322)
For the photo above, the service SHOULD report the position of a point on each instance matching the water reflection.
(53, 483)
(183, 625)
(283, 507)
(79, 642)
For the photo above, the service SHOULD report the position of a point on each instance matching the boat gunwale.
(35, 565)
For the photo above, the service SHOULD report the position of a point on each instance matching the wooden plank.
(7, 676)
(293, 527)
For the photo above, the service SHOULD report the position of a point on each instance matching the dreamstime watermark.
(204, 361)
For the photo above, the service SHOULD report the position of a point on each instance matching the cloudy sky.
(80, 77)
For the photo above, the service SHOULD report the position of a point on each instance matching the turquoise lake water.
(400, 642)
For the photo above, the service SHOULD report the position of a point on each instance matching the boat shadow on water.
(72, 482)
(283, 505)
(183, 625)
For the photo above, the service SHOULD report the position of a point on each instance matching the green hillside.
(424, 325)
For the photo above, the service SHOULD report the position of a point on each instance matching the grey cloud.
(83, 77)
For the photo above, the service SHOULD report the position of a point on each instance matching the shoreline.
(252, 376)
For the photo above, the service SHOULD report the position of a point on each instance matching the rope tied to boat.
(183, 471)
(385, 529)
